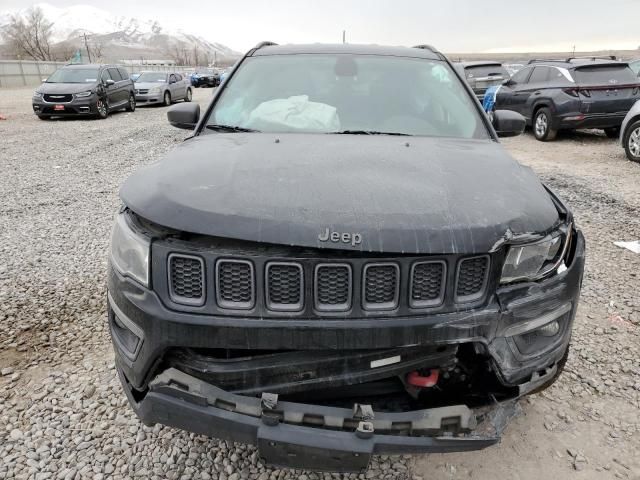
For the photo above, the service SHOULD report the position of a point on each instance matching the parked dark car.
(84, 90)
(162, 88)
(342, 263)
(207, 77)
(482, 74)
(570, 94)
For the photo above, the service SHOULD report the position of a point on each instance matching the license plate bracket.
(317, 449)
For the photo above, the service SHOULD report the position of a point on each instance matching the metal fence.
(19, 73)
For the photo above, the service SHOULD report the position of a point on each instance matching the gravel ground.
(62, 411)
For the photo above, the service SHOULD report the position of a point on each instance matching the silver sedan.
(162, 88)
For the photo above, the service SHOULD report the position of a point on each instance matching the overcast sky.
(450, 25)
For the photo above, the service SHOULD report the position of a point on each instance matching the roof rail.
(593, 58)
(426, 47)
(540, 60)
(264, 44)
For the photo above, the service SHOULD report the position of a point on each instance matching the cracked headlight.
(130, 251)
(534, 261)
(84, 94)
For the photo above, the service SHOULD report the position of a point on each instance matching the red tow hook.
(416, 380)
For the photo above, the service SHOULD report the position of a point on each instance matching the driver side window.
(105, 76)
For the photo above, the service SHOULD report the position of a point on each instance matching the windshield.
(152, 77)
(605, 75)
(347, 94)
(74, 75)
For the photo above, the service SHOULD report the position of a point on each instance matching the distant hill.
(124, 38)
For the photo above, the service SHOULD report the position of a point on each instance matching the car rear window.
(486, 71)
(605, 75)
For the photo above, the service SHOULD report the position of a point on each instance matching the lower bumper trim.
(179, 400)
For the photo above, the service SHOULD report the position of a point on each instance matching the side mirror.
(508, 123)
(109, 82)
(184, 115)
(44, 80)
(508, 82)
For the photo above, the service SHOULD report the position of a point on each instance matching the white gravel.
(63, 414)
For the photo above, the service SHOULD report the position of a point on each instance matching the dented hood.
(399, 194)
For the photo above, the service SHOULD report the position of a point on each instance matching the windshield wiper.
(229, 128)
(369, 132)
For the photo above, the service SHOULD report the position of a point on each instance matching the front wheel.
(102, 109)
(632, 141)
(188, 96)
(131, 105)
(167, 99)
(542, 125)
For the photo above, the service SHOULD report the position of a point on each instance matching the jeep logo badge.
(336, 237)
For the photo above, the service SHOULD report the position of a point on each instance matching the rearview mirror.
(184, 115)
(508, 123)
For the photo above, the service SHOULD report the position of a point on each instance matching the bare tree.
(30, 34)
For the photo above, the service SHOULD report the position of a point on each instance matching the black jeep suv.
(342, 263)
(90, 90)
(570, 94)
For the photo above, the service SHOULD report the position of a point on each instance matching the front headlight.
(534, 261)
(84, 94)
(154, 90)
(130, 251)
(37, 95)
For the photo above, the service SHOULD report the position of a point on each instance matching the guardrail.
(24, 73)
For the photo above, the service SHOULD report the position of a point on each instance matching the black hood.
(400, 194)
(61, 88)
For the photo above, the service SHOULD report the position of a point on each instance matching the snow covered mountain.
(124, 37)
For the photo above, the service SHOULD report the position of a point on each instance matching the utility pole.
(344, 36)
(86, 45)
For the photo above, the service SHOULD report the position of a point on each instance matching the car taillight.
(571, 91)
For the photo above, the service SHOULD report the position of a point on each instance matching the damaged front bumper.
(314, 437)
(164, 361)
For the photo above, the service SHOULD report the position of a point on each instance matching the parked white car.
(630, 133)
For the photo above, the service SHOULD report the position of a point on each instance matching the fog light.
(549, 330)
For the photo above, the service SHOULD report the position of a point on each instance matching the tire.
(542, 125)
(188, 96)
(102, 109)
(167, 99)
(131, 106)
(612, 132)
(632, 141)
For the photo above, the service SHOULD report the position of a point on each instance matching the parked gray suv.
(87, 90)
(162, 87)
